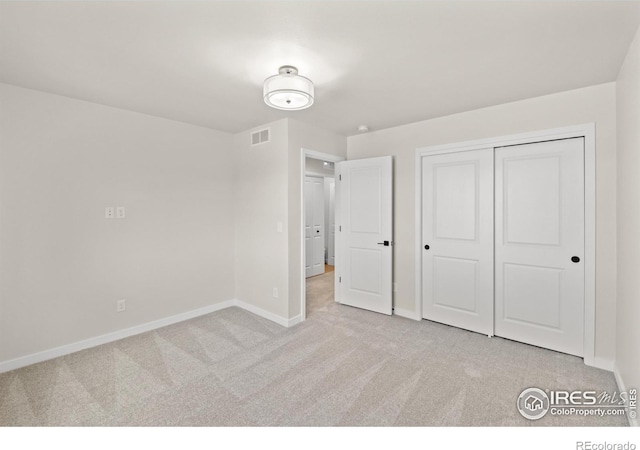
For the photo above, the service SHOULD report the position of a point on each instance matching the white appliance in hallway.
(514, 215)
(364, 207)
(314, 226)
(331, 242)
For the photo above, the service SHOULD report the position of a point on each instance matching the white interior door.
(365, 233)
(314, 226)
(457, 239)
(539, 228)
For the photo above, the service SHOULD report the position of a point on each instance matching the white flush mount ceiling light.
(288, 90)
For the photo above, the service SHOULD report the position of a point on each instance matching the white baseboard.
(45, 355)
(12, 364)
(295, 320)
(406, 313)
(269, 315)
(623, 388)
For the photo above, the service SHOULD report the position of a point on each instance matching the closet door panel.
(457, 239)
(539, 237)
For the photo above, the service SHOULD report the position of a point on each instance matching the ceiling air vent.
(260, 137)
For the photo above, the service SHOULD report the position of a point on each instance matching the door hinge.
(340, 177)
(340, 228)
(339, 279)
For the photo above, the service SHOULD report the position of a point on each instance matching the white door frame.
(587, 131)
(304, 154)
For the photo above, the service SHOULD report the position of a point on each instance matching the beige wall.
(260, 197)
(628, 218)
(267, 180)
(592, 104)
(62, 265)
(310, 138)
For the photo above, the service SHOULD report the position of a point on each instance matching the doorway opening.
(318, 231)
(319, 234)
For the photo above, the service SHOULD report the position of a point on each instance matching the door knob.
(385, 243)
(317, 231)
(575, 259)
(426, 247)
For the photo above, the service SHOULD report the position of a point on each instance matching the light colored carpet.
(343, 366)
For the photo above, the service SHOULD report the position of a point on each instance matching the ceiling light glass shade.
(288, 90)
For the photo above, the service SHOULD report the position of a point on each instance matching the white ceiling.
(376, 63)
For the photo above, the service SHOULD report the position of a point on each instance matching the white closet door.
(314, 226)
(539, 229)
(457, 239)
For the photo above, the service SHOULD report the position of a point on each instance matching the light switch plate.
(120, 212)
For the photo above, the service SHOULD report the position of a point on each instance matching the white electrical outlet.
(121, 305)
(120, 212)
(275, 292)
(109, 212)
